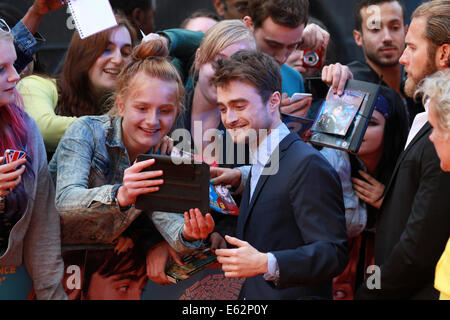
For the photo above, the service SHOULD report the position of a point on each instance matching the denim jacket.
(26, 45)
(88, 168)
(35, 238)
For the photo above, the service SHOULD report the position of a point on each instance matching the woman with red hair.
(29, 222)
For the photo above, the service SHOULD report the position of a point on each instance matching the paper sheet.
(92, 16)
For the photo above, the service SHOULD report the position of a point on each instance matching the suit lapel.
(246, 207)
(425, 129)
(262, 180)
(243, 208)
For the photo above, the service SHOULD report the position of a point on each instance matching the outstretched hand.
(225, 176)
(38, 10)
(314, 38)
(336, 76)
(42, 7)
(196, 226)
(155, 36)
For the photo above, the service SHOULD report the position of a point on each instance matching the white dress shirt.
(259, 158)
(419, 121)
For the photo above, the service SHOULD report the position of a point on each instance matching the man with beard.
(414, 222)
(380, 31)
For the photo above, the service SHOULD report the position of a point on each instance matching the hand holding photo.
(354, 107)
(338, 112)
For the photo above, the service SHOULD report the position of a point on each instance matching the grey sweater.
(35, 239)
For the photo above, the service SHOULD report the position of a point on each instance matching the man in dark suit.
(414, 224)
(291, 236)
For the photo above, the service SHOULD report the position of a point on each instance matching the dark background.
(336, 14)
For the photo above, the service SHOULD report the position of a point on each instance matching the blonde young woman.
(98, 180)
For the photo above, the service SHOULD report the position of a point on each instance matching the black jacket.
(298, 215)
(414, 224)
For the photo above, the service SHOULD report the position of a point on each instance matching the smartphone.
(299, 96)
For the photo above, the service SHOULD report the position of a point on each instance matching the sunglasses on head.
(4, 26)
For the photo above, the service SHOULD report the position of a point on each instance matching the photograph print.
(338, 112)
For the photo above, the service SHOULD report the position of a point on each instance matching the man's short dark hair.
(255, 68)
(288, 13)
(366, 3)
(127, 6)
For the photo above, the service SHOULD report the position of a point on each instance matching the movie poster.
(106, 275)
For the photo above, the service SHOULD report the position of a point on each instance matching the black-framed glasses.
(4, 26)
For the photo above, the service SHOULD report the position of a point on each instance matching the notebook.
(92, 16)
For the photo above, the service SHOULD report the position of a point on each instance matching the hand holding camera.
(314, 38)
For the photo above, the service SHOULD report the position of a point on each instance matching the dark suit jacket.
(414, 224)
(298, 215)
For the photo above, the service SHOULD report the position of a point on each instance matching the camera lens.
(311, 58)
